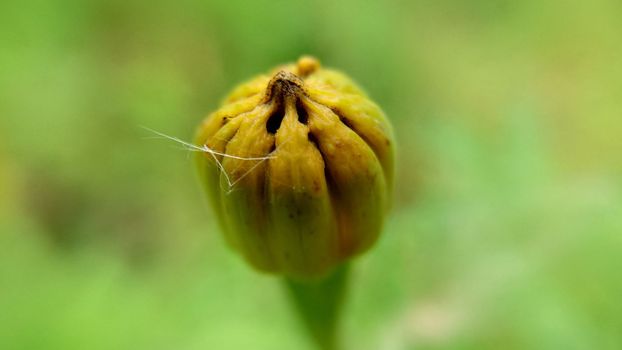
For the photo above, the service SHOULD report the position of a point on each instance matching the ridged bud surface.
(298, 166)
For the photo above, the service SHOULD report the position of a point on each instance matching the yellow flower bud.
(298, 165)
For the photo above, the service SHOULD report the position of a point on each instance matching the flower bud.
(298, 165)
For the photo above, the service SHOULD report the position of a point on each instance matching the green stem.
(319, 305)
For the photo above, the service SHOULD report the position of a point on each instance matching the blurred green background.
(506, 231)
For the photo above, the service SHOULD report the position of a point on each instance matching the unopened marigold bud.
(298, 165)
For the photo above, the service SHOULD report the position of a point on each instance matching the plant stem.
(319, 305)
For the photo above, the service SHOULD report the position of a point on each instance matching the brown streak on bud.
(284, 84)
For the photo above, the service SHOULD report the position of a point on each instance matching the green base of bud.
(319, 306)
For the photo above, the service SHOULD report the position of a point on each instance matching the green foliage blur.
(506, 231)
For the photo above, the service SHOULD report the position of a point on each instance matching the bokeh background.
(506, 231)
